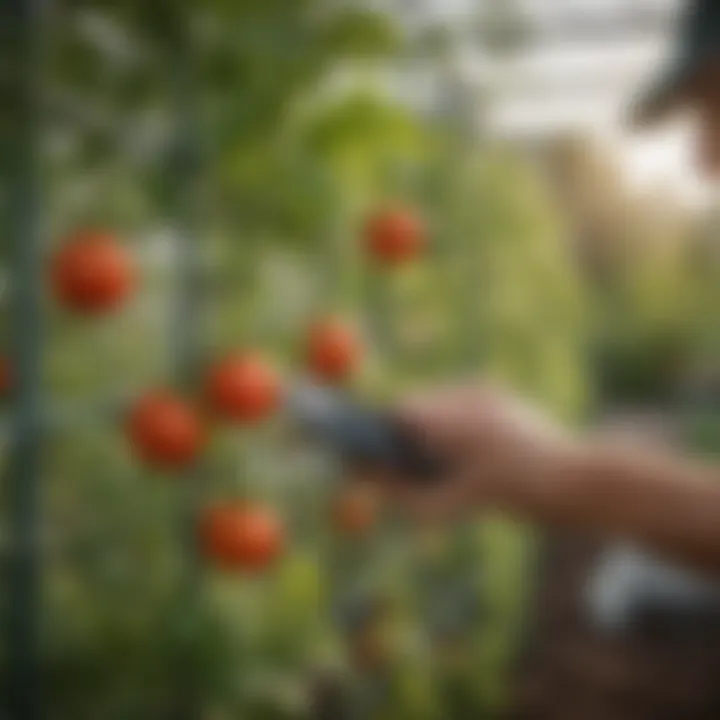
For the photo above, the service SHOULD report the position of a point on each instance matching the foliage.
(294, 141)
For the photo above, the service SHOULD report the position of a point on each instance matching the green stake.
(23, 50)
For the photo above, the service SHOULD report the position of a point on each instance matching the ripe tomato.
(92, 273)
(394, 235)
(354, 511)
(243, 388)
(5, 375)
(165, 431)
(333, 350)
(242, 537)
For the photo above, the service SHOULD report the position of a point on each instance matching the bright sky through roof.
(587, 83)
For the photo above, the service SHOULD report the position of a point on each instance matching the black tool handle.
(363, 436)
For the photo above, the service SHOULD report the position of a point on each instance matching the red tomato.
(165, 431)
(354, 512)
(242, 537)
(5, 375)
(333, 350)
(92, 273)
(243, 388)
(394, 235)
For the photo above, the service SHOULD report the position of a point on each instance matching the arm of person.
(665, 503)
(506, 456)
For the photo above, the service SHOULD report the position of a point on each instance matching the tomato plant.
(243, 388)
(165, 430)
(333, 349)
(92, 273)
(241, 537)
(394, 235)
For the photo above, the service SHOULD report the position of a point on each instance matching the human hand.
(499, 452)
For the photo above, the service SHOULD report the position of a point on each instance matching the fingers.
(448, 402)
(449, 422)
(441, 418)
(491, 443)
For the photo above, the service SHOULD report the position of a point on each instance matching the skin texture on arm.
(665, 503)
(503, 455)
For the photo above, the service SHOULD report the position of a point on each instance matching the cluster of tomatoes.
(93, 274)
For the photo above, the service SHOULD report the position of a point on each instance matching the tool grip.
(364, 437)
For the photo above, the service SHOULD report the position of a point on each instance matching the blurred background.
(236, 149)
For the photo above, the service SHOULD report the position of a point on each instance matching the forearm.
(666, 504)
